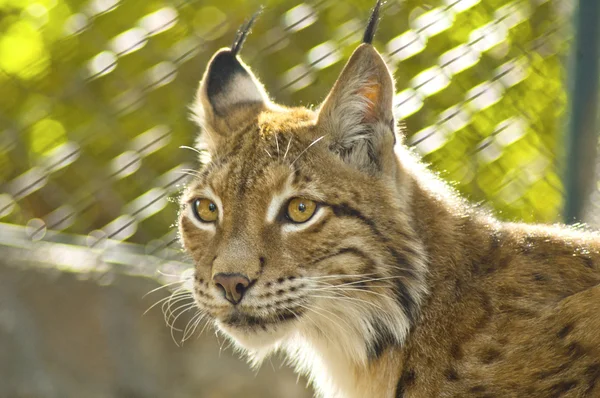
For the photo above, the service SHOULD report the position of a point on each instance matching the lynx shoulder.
(319, 234)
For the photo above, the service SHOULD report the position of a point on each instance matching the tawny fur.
(398, 288)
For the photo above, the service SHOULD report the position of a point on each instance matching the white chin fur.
(257, 339)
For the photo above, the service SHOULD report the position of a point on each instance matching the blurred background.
(499, 96)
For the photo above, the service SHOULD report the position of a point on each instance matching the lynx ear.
(229, 96)
(358, 112)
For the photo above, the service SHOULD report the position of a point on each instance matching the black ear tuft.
(223, 68)
(243, 32)
(373, 21)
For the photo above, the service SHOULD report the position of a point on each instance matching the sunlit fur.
(399, 288)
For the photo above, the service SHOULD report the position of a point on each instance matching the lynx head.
(299, 225)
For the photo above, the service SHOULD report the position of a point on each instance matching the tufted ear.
(357, 115)
(229, 96)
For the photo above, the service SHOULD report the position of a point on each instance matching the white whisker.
(162, 287)
(191, 149)
(307, 148)
(288, 148)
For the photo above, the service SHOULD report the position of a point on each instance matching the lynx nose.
(233, 286)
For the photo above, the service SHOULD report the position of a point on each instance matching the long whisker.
(189, 173)
(168, 305)
(338, 276)
(371, 280)
(173, 299)
(195, 172)
(306, 149)
(346, 298)
(288, 148)
(329, 286)
(184, 274)
(162, 300)
(185, 308)
(188, 331)
(163, 286)
(204, 327)
(182, 308)
(191, 149)
(202, 318)
(333, 314)
(321, 315)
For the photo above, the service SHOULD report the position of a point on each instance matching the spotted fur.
(396, 287)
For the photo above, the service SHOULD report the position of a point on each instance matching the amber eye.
(205, 210)
(300, 210)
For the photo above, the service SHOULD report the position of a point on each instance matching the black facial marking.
(382, 340)
(490, 355)
(406, 301)
(575, 350)
(477, 389)
(565, 330)
(342, 251)
(451, 374)
(318, 227)
(407, 379)
(551, 372)
(592, 374)
(262, 264)
(240, 319)
(403, 296)
(559, 389)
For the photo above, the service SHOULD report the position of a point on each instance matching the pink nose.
(233, 286)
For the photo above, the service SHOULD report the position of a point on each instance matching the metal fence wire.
(94, 98)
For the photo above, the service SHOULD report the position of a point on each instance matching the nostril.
(240, 288)
(232, 286)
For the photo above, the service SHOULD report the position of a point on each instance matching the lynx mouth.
(243, 320)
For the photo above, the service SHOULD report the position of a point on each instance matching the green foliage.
(63, 81)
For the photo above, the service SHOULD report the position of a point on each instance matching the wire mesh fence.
(95, 95)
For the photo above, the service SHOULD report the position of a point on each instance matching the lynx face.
(289, 224)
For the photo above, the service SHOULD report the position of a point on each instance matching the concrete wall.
(75, 333)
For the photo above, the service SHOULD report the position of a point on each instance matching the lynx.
(319, 234)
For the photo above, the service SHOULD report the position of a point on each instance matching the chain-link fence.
(95, 94)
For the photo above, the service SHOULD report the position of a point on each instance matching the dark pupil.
(212, 207)
(302, 207)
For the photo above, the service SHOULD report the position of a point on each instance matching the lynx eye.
(205, 210)
(300, 210)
